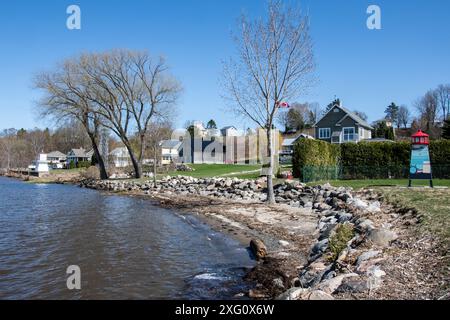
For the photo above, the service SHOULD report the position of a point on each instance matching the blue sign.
(420, 163)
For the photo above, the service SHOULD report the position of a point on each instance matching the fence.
(314, 173)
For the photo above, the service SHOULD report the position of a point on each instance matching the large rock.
(329, 286)
(352, 285)
(292, 294)
(375, 275)
(382, 237)
(319, 295)
(366, 256)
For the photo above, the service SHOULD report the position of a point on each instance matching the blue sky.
(367, 69)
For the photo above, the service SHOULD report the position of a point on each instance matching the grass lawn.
(216, 170)
(433, 203)
(62, 171)
(357, 184)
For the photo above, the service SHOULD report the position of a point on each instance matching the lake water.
(126, 247)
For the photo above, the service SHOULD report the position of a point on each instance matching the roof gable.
(348, 113)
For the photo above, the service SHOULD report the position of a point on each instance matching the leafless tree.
(65, 98)
(156, 132)
(129, 90)
(427, 107)
(314, 112)
(443, 98)
(274, 64)
(361, 114)
(403, 116)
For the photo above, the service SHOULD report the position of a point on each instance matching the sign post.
(420, 167)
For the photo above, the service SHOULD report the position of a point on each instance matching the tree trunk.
(101, 162)
(270, 193)
(154, 164)
(137, 166)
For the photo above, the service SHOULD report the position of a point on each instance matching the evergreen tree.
(211, 124)
(392, 113)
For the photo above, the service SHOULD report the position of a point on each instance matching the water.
(126, 248)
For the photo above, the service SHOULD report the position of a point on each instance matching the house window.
(324, 133)
(349, 134)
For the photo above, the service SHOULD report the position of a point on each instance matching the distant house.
(287, 147)
(229, 131)
(78, 155)
(340, 125)
(56, 160)
(170, 151)
(40, 165)
(120, 157)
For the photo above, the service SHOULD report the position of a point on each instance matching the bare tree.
(65, 99)
(274, 64)
(403, 116)
(361, 114)
(314, 112)
(443, 98)
(156, 132)
(130, 89)
(427, 106)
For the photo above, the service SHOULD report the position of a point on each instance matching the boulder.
(366, 256)
(352, 285)
(292, 294)
(382, 237)
(319, 295)
(329, 286)
(375, 275)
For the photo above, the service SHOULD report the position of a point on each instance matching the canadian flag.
(283, 104)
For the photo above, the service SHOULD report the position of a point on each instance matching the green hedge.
(319, 160)
(316, 153)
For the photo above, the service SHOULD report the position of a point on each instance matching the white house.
(229, 131)
(40, 165)
(170, 150)
(56, 160)
(120, 157)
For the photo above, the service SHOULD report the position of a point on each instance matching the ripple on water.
(126, 247)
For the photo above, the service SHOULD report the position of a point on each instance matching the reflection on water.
(126, 247)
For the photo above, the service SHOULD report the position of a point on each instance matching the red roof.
(420, 133)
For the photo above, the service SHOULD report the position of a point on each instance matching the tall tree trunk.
(270, 193)
(155, 149)
(136, 163)
(101, 162)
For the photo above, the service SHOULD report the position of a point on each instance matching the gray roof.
(80, 153)
(350, 114)
(56, 154)
(228, 127)
(170, 144)
(357, 118)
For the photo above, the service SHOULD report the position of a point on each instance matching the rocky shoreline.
(322, 242)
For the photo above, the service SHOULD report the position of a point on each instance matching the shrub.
(84, 164)
(91, 173)
(339, 239)
(72, 165)
(319, 160)
(317, 153)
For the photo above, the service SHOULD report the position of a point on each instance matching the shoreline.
(298, 265)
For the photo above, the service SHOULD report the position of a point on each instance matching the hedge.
(365, 160)
(317, 153)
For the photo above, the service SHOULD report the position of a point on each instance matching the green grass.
(358, 184)
(434, 204)
(216, 170)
